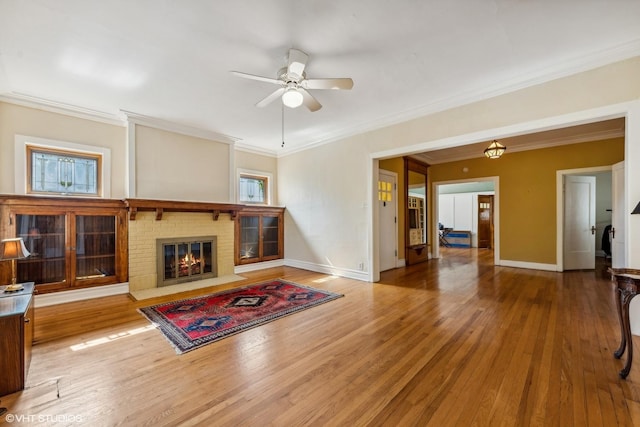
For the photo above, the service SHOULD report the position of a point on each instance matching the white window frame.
(21, 176)
(256, 174)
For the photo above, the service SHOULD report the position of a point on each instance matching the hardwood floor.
(450, 342)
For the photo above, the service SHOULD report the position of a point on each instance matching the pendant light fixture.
(495, 150)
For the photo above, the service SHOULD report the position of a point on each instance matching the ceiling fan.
(294, 83)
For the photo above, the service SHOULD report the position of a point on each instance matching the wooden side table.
(628, 283)
(16, 324)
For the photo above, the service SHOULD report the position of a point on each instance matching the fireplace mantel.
(159, 206)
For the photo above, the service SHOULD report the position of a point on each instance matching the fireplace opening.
(186, 259)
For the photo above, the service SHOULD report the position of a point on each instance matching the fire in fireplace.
(186, 259)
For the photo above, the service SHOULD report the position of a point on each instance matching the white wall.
(259, 163)
(173, 166)
(328, 189)
(169, 165)
(31, 122)
(328, 201)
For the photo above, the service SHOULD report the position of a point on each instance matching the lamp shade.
(636, 210)
(292, 98)
(495, 150)
(13, 249)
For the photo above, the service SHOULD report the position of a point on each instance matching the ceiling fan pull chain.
(282, 125)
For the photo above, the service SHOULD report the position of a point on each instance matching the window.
(24, 176)
(63, 172)
(385, 191)
(254, 188)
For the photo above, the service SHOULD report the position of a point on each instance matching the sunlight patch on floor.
(325, 279)
(110, 338)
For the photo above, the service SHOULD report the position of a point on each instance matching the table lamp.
(13, 249)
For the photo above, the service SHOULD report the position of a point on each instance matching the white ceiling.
(171, 60)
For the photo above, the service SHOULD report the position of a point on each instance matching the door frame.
(435, 217)
(560, 174)
(619, 217)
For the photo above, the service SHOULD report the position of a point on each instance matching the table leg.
(623, 337)
(627, 331)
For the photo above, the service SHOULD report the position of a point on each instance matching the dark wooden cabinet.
(74, 243)
(259, 234)
(16, 324)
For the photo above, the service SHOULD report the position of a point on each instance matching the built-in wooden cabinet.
(259, 234)
(415, 208)
(74, 243)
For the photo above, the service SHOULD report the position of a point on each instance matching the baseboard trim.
(529, 265)
(239, 269)
(55, 298)
(328, 269)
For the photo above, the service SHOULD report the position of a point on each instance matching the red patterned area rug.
(194, 322)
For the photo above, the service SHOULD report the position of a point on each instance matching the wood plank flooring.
(450, 342)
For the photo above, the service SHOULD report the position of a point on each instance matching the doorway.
(468, 216)
(578, 244)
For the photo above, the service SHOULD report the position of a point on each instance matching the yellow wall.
(528, 192)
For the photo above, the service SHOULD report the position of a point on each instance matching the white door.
(579, 222)
(618, 256)
(387, 215)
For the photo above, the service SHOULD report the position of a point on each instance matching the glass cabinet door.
(270, 236)
(95, 246)
(45, 237)
(259, 235)
(249, 237)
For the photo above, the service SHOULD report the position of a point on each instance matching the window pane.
(253, 189)
(64, 173)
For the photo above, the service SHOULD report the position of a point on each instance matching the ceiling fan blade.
(259, 78)
(297, 62)
(309, 101)
(343, 83)
(271, 97)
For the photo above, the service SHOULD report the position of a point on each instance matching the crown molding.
(241, 146)
(562, 69)
(61, 108)
(168, 126)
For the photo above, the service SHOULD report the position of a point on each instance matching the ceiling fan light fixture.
(495, 150)
(292, 98)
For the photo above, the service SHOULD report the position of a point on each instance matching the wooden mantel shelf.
(160, 206)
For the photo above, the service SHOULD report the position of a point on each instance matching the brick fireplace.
(146, 227)
(186, 259)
